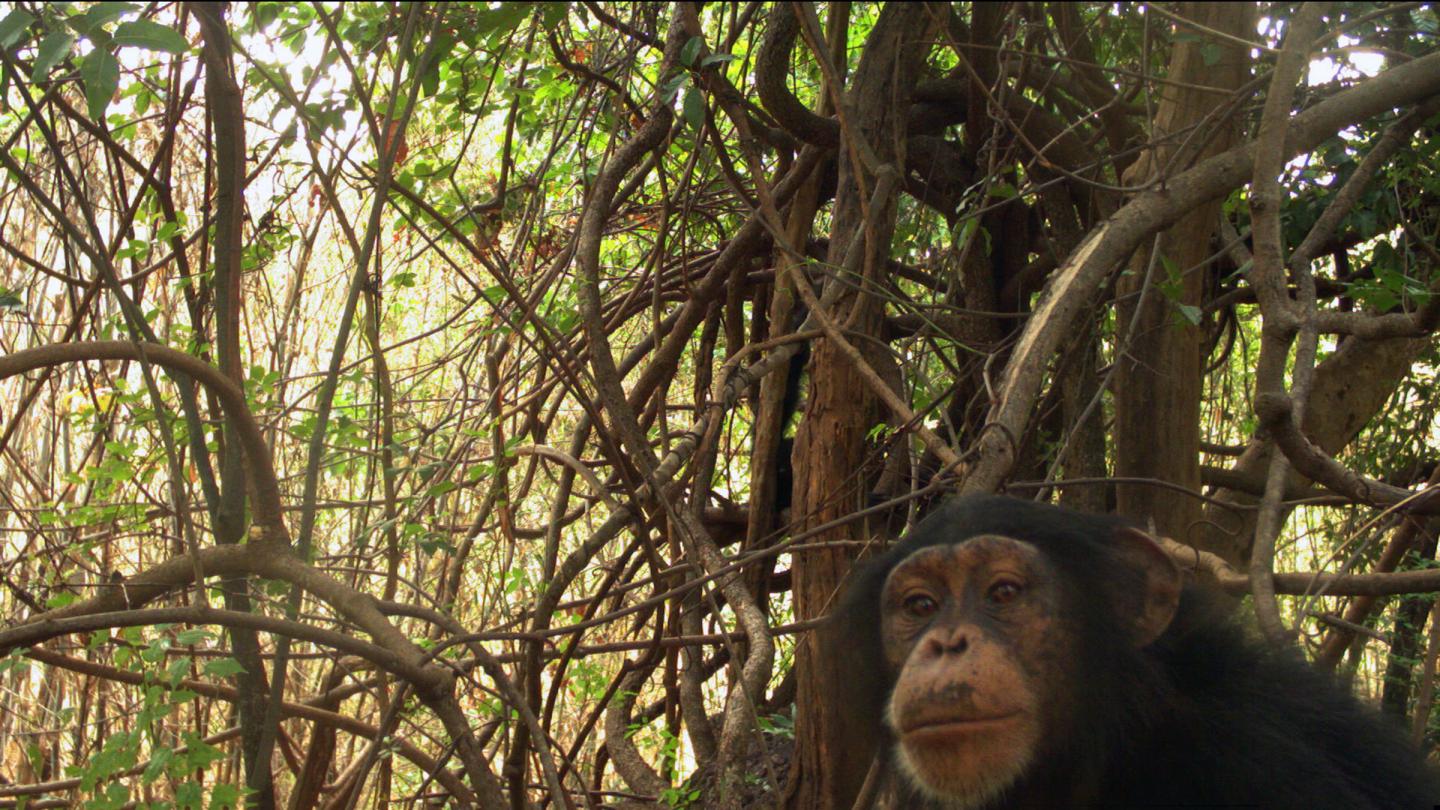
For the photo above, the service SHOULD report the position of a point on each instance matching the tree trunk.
(832, 755)
(1159, 374)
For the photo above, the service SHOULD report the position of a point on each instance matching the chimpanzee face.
(982, 649)
(971, 634)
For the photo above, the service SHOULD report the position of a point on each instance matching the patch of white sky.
(267, 114)
(335, 82)
(296, 68)
(1346, 66)
(1344, 61)
(1354, 65)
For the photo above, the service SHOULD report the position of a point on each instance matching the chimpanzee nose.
(947, 641)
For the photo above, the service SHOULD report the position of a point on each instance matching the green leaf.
(200, 753)
(105, 13)
(14, 24)
(13, 662)
(60, 600)
(151, 36)
(504, 19)
(101, 74)
(116, 795)
(672, 86)
(188, 794)
(430, 82)
(1003, 191)
(694, 107)
(691, 50)
(224, 796)
(188, 637)
(52, 49)
(159, 758)
(553, 13)
(717, 58)
(223, 668)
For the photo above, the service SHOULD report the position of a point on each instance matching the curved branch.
(1303, 582)
(400, 655)
(154, 582)
(629, 762)
(309, 710)
(390, 650)
(772, 68)
(32, 633)
(261, 467)
(1070, 288)
(1274, 411)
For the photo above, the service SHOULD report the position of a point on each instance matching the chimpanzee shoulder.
(1242, 722)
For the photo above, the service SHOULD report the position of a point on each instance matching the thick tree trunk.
(832, 754)
(1158, 378)
(1084, 422)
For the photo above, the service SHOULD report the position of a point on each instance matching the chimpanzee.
(1017, 655)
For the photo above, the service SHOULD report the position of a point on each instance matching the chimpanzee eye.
(921, 605)
(1004, 591)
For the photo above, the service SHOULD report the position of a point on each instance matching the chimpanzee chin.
(1009, 654)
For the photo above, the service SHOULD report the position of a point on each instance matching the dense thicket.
(471, 404)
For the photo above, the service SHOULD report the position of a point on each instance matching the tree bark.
(832, 754)
(227, 114)
(1159, 375)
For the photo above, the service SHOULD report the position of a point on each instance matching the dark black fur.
(795, 387)
(1204, 717)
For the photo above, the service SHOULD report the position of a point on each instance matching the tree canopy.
(482, 404)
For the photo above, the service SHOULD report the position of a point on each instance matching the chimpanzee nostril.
(955, 642)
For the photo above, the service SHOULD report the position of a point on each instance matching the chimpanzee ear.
(1152, 610)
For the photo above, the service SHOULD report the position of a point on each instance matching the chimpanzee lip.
(954, 723)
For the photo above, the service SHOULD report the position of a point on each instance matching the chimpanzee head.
(993, 638)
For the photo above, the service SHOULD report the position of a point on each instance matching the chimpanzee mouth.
(946, 724)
